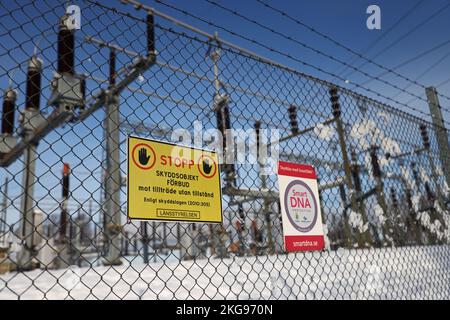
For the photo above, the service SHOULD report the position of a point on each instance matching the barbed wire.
(289, 56)
(359, 55)
(294, 40)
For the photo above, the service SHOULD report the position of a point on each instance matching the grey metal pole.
(3, 224)
(24, 261)
(113, 179)
(144, 238)
(440, 130)
(30, 120)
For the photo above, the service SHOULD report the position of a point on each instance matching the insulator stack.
(394, 198)
(292, 109)
(376, 170)
(223, 118)
(334, 97)
(9, 107)
(65, 196)
(257, 133)
(150, 33)
(66, 48)
(409, 199)
(33, 89)
(415, 174)
(112, 67)
(355, 172)
(241, 216)
(342, 193)
(425, 138)
(65, 181)
(83, 88)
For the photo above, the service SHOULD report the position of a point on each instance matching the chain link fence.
(73, 95)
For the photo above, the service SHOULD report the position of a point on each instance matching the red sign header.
(296, 170)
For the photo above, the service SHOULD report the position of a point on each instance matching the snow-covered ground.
(390, 273)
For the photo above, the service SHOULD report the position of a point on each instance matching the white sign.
(300, 207)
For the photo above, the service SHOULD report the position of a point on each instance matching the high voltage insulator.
(394, 198)
(150, 33)
(425, 138)
(65, 180)
(66, 48)
(65, 197)
(9, 107)
(241, 216)
(33, 90)
(68, 87)
(293, 118)
(83, 89)
(334, 97)
(257, 133)
(376, 170)
(223, 115)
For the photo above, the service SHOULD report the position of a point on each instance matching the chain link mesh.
(384, 195)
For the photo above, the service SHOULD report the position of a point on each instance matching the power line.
(361, 55)
(416, 57)
(259, 58)
(403, 36)
(289, 56)
(443, 83)
(294, 40)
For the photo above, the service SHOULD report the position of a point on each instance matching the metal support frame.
(440, 131)
(363, 237)
(27, 253)
(36, 127)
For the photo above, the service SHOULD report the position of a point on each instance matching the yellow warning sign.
(172, 182)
